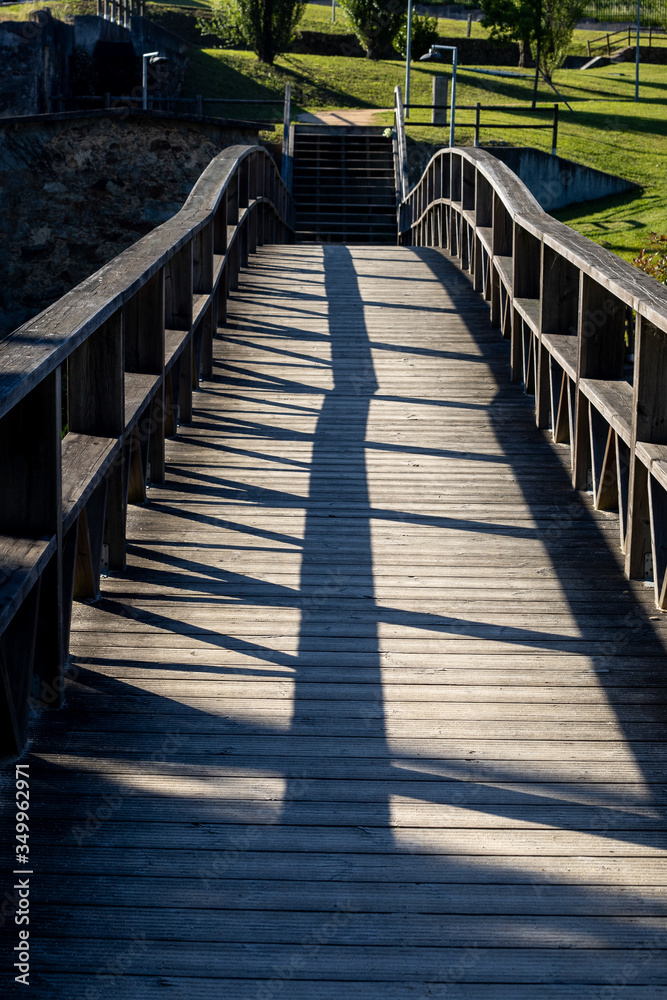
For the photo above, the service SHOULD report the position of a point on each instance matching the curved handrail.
(587, 332)
(127, 345)
(63, 326)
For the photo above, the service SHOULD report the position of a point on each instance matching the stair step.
(344, 186)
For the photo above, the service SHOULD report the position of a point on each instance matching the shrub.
(424, 35)
(653, 259)
(375, 23)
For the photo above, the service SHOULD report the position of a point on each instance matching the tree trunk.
(525, 54)
(267, 54)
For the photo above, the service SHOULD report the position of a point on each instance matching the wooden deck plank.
(374, 711)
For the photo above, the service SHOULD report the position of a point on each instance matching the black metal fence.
(652, 11)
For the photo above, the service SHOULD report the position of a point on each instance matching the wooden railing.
(89, 389)
(628, 36)
(588, 336)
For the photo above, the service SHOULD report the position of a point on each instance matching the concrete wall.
(556, 182)
(34, 61)
(43, 58)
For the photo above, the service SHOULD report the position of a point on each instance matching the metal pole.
(333, 11)
(144, 77)
(408, 56)
(452, 111)
(539, 45)
(637, 51)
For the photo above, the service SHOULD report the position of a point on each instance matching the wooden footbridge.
(372, 701)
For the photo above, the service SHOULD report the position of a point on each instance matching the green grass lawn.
(605, 129)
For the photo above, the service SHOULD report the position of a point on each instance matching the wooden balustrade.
(587, 333)
(89, 389)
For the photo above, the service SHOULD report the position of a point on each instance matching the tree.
(266, 26)
(543, 25)
(517, 20)
(375, 23)
(559, 18)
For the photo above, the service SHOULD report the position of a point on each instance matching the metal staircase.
(343, 184)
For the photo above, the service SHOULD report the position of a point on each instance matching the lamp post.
(152, 58)
(408, 58)
(434, 53)
(637, 51)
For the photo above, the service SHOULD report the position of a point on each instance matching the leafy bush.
(226, 24)
(653, 259)
(424, 35)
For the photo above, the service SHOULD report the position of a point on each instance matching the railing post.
(30, 459)
(477, 112)
(402, 148)
(601, 356)
(650, 426)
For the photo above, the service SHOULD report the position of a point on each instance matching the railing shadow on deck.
(333, 874)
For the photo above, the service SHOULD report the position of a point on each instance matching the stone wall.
(75, 190)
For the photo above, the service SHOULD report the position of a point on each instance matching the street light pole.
(408, 57)
(637, 52)
(434, 53)
(144, 77)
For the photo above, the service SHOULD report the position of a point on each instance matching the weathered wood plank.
(441, 708)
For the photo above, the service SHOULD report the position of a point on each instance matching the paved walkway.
(367, 116)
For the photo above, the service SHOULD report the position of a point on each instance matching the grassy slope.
(605, 130)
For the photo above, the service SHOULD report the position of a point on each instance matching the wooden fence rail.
(477, 124)
(628, 35)
(125, 349)
(588, 335)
